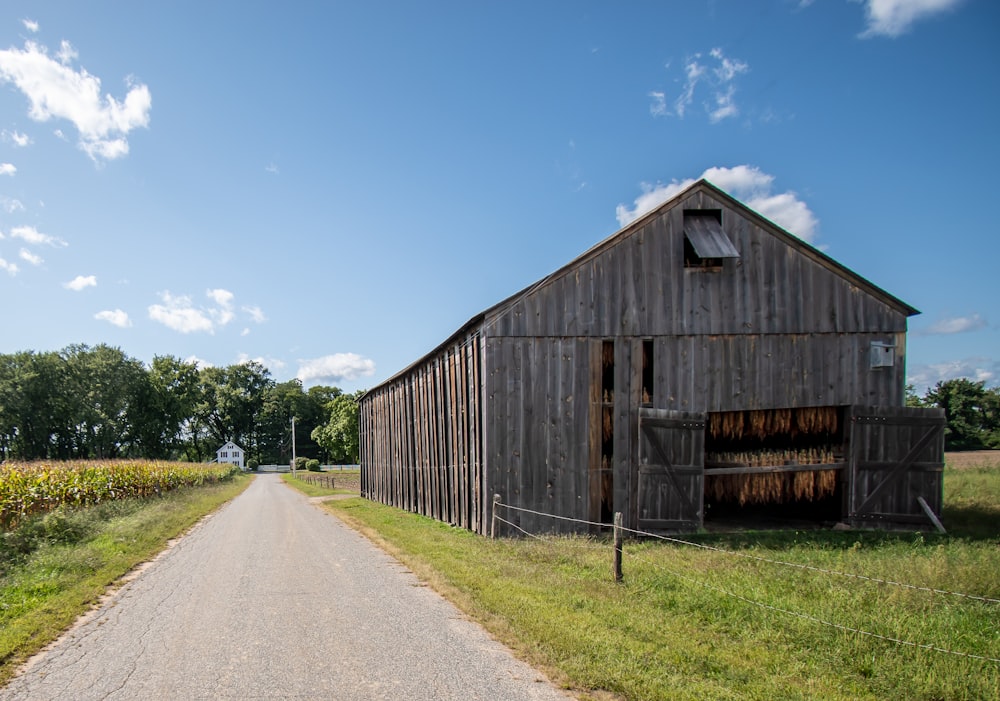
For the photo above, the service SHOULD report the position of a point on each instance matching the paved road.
(273, 598)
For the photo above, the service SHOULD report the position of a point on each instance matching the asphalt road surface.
(273, 598)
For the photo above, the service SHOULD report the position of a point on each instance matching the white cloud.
(7, 169)
(335, 368)
(892, 18)
(978, 369)
(30, 257)
(271, 364)
(116, 317)
(81, 282)
(719, 74)
(223, 312)
(55, 89)
(35, 237)
(11, 205)
(195, 360)
(245, 331)
(16, 138)
(181, 314)
(959, 324)
(272, 168)
(256, 314)
(659, 106)
(177, 313)
(746, 183)
(9, 268)
(30, 24)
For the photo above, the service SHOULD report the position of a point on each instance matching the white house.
(231, 453)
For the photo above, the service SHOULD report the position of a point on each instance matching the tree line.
(972, 412)
(95, 402)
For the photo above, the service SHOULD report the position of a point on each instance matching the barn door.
(896, 457)
(671, 467)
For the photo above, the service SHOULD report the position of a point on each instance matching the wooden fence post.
(493, 523)
(618, 546)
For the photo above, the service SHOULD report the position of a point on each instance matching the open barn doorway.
(775, 468)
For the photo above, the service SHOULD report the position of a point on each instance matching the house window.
(224, 454)
(706, 245)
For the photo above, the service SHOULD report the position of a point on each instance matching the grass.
(695, 623)
(55, 566)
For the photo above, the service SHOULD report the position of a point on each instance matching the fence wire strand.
(758, 558)
(760, 604)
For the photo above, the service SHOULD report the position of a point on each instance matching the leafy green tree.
(230, 405)
(31, 405)
(167, 403)
(104, 387)
(339, 435)
(966, 407)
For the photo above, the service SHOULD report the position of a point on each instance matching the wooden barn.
(699, 366)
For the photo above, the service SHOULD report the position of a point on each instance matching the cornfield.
(36, 487)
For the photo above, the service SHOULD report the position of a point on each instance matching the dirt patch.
(972, 458)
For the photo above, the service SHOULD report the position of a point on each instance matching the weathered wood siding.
(636, 285)
(421, 439)
(537, 426)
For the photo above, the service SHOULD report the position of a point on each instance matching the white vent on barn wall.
(883, 355)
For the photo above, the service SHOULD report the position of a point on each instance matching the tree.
(339, 435)
(230, 405)
(969, 412)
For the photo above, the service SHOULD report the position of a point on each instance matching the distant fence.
(323, 468)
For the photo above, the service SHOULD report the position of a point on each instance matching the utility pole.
(293, 445)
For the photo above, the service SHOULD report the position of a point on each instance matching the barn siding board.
(511, 404)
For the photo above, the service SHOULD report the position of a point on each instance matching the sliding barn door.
(671, 470)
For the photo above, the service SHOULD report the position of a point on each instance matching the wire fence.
(618, 553)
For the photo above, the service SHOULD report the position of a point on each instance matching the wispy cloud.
(7, 267)
(10, 205)
(747, 184)
(891, 18)
(81, 282)
(272, 168)
(979, 369)
(34, 237)
(29, 257)
(55, 89)
(335, 368)
(256, 314)
(7, 169)
(958, 324)
(716, 74)
(115, 317)
(17, 138)
(30, 24)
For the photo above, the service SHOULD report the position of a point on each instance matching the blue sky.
(333, 188)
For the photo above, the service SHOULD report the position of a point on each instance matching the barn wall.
(729, 373)
(421, 438)
(537, 431)
(637, 285)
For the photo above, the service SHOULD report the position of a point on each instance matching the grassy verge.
(695, 623)
(308, 484)
(56, 566)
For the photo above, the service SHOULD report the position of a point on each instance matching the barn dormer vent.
(705, 243)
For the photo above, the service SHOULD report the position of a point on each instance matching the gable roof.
(701, 185)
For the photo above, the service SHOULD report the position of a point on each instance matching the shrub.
(312, 465)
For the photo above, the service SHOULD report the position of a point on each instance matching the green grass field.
(691, 622)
